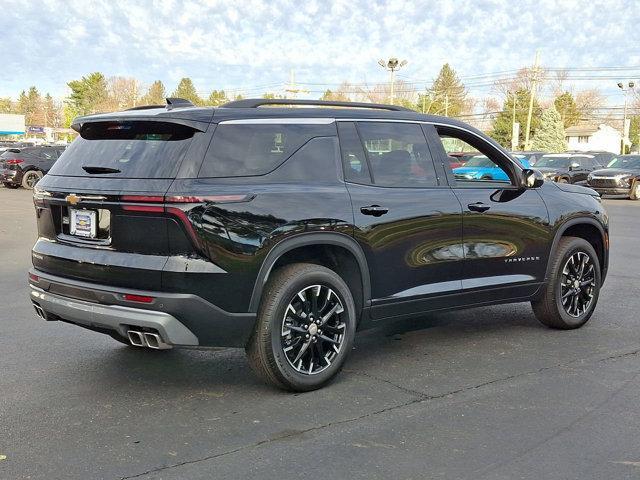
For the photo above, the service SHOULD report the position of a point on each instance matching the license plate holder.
(83, 223)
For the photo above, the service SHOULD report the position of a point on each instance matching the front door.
(406, 220)
(505, 228)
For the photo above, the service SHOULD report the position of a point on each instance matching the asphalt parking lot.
(481, 394)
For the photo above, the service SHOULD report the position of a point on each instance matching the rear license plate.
(83, 223)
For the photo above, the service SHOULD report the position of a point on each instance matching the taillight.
(14, 161)
(140, 203)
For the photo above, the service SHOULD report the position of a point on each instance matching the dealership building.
(11, 124)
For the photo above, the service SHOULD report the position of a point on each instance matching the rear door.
(407, 222)
(101, 213)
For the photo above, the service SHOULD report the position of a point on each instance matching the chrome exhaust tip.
(136, 338)
(153, 340)
(39, 311)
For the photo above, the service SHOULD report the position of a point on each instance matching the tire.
(635, 190)
(30, 178)
(549, 308)
(10, 185)
(274, 347)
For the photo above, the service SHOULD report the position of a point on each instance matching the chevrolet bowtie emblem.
(72, 199)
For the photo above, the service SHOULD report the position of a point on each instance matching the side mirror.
(532, 178)
(574, 166)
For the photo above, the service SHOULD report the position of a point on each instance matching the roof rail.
(173, 102)
(145, 107)
(258, 102)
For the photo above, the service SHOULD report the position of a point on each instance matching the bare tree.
(124, 92)
(522, 80)
(558, 81)
(588, 102)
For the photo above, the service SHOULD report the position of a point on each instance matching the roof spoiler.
(174, 102)
(258, 102)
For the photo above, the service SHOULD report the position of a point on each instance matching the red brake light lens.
(33, 277)
(130, 297)
(14, 161)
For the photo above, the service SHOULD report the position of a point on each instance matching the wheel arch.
(307, 247)
(588, 229)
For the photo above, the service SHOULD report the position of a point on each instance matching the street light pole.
(626, 91)
(392, 65)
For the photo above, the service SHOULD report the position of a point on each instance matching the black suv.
(25, 166)
(284, 230)
(567, 167)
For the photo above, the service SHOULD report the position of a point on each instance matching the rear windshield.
(126, 149)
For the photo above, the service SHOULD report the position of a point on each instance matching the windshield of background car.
(554, 162)
(480, 161)
(625, 162)
(136, 149)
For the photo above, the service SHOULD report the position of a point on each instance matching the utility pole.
(514, 134)
(292, 85)
(531, 98)
(392, 65)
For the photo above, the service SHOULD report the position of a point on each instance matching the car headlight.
(623, 180)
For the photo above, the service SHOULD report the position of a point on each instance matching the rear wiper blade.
(97, 170)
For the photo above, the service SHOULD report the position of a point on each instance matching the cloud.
(225, 44)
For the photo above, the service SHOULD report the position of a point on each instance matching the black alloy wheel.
(578, 284)
(312, 329)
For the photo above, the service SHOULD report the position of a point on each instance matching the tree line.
(447, 95)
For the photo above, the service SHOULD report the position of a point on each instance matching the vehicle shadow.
(192, 369)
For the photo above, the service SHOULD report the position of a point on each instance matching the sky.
(251, 46)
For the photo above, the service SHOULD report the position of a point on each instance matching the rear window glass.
(130, 149)
(239, 150)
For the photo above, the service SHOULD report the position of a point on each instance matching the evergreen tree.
(89, 94)
(502, 124)
(567, 108)
(550, 137)
(187, 90)
(156, 94)
(30, 105)
(447, 96)
(217, 98)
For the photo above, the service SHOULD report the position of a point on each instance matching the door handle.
(478, 207)
(375, 210)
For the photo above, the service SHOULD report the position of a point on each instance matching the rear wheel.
(30, 178)
(305, 328)
(635, 191)
(570, 296)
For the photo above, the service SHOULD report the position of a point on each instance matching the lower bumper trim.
(112, 317)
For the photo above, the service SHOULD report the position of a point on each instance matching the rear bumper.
(10, 176)
(179, 319)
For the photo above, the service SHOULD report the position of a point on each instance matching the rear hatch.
(100, 210)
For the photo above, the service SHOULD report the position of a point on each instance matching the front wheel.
(571, 294)
(635, 190)
(305, 328)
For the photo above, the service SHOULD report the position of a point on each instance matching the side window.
(314, 162)
(481, 163)
(398, 154)
(249, 149)
(354, 161)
